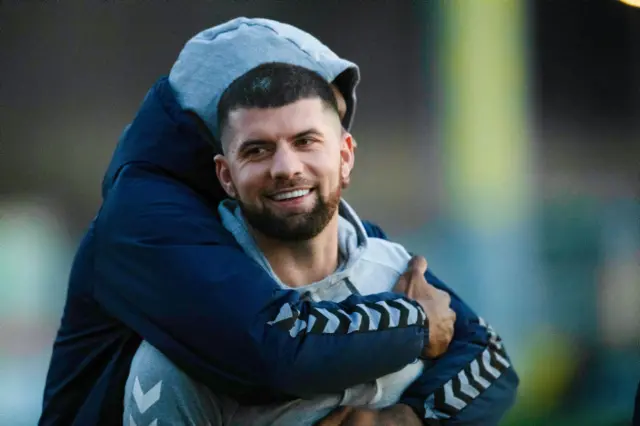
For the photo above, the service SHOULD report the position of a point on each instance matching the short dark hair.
(273, 85)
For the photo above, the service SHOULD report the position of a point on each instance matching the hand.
(396, 415)
(399, 414)
(350, 416)
(435, 302)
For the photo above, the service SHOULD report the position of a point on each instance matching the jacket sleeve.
(170, 272)
(473, 383)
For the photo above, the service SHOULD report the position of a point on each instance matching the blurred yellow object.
(634, 3)
(486, 146)
(545, 373)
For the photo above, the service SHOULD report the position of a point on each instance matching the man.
(286, 160)
(156, 263)
(285, 164)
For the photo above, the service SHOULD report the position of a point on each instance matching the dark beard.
(298, 227)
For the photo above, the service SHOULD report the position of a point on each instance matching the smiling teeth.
(291, 194)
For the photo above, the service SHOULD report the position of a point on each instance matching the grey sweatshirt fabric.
(370, 265)
(352, 242)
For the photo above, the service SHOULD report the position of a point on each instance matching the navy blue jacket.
(157, 263)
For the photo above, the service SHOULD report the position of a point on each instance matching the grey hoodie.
(215, 57)
(370, 266)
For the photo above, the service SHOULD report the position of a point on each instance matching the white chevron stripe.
(145, 400)
(430, 411)
(469, 388)
(356, 322)
(466, 387)
(475, 372)
(482, 322)
(486, 362)
(450, 398)
(502, 360)
(312, 321)
(394, 313)
(373, 316)
(414, 314)
(298, 326)
(494, 338)
(284, 314)
(495, 343)
(374, 319)
(333, 321)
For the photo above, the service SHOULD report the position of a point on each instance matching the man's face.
(286, 167)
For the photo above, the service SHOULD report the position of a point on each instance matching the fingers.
(336, 417)
(417, 265)
(350, 416)
(412, 279)
(362, 417)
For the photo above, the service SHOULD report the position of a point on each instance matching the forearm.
(473, 383)
(183, 286)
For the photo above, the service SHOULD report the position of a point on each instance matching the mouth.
(294, 194)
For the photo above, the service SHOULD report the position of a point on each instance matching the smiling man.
(157, 264)
(286, 161)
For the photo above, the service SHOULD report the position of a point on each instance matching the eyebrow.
(251, 142)
(309, 132)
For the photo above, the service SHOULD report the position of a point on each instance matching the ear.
(347, 158)
(224, 175)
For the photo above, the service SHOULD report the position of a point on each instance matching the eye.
(304, 141)
(255, 151)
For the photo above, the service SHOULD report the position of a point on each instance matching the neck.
(299, 263)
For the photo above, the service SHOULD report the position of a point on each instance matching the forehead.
(280, 123)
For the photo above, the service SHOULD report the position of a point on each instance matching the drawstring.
(351, 287)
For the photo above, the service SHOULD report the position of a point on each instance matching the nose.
(286, 163)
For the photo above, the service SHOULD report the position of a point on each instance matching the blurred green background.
(501, 139)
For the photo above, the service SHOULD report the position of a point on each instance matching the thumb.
(402, 284)
(417, 264)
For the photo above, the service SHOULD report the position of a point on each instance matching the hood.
(168, 140)
(165, 136)
(215, 57)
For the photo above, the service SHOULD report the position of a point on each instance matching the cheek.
(249, 182)
(327, 170)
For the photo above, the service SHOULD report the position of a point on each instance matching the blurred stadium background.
(501, 139)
